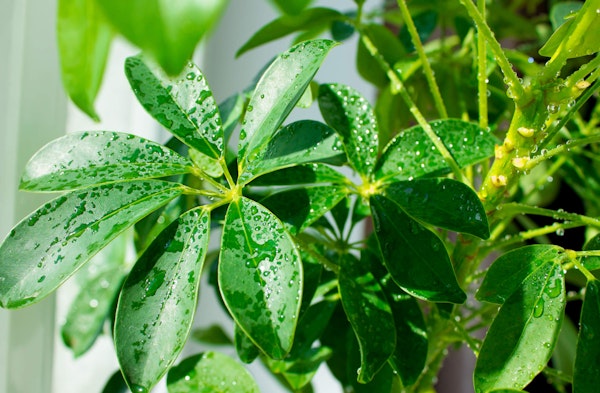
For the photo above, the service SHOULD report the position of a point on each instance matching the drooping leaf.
(167, 31)
(210, 372)
(444, 203)
(213, 334)
(84, 38)
(183, 104)
(586, 378)
(382, 381)
(99, 284)
(308, 19)
(116, 384)
(260, 276)
(387, 44)
(521, 339)
(412, 154)
(299, 175)
(415, 257)
(276, 94)
(59, 237)
(158, 300)
(302, 370)
(369, 314)
(93, 158)
(244, 347)
(351, 115)
(509, 271)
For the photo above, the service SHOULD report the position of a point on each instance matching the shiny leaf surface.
(302, 174)
(586, 378)
(245, 348)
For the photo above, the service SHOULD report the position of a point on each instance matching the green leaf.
(387, 45)
(586, 378)
(303, 369)
(411, 154)
(276, 94)
(309, 19)
(560, 12)
(210, 372)
(509, 271)
(292, 6)
(302, 142)
(298, 208)
(521, 339)
(244, 347)
(183, 104)
(167, 31)
(563, 357)
(158, 300)
(116, 384)
(231, 111)
(425, 23)
(84, 38)
(444, 203)
(59, 237)
(592, 263)
(98, 157)
(369, 314)
(351, 115)
(99, 284)
(214, 334)
(260, 276)
(415, 257)
(302, 174)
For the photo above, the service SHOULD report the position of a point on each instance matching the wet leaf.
(415, 257)
(369, 314)
(302, 174)
(260, 276)
(98, 157)
(244, 347)
(59, 237)
(158, 300)
(184, 104)
(168, 32)
(411, 154)
(522, 337)
(444, 203)
(351, 115)
(586, 378)
(84, 38)
(276, 94)
(509, 271)
(210, 372)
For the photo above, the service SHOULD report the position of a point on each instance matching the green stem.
(482, 85)
(199, 173)
(588, 275)
(513, 208)
(566, 147)
(526, 235)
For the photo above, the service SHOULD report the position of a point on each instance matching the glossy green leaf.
(276, 94)
(586, 378)
(509, 271)
(382, 381)
(92, 158)
(84, 38)
(213, 334)
(260, 276)
(100, 281)
(415, 257)
(210, 166)
(521, 339)
(387, 45)
(592, 263)
(300, 207)
(351, 115)
(302, 174)
(210, 372)
(116, 384)
(158, 300)
(412, 154)
(303, 369)
(308, 19)
(444, 203)
(244, 347)
(301, 142)
(183, 104)
(167, 31)
(369, 314)
(59, 237)
(292, 6)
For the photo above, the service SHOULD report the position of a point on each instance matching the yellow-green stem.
(482, 86)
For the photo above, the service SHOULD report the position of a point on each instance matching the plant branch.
(482, 81)
(566, 147)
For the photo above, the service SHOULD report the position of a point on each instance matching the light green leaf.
(444, 203)
(509, 271)
(208, 165)
(84, 38)
(292, 6)
(351, 115)
(276, 94)
(158, 300)
(586, 378)
(59, 237)
(415, 257)
(592, 263)
(309, 19)
(99, 284)
(210, 372)
(521, 339)
(98, 157)
(560, 12)
(411, 154)
(184, 105)
(167, 31)
(260, 276)
(369, 314)
(303, 369)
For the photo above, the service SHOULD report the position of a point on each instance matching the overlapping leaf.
(302, 174)
(586, 378)
(245, 348)
(49, 245)
(92, 158)
(158, 300)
